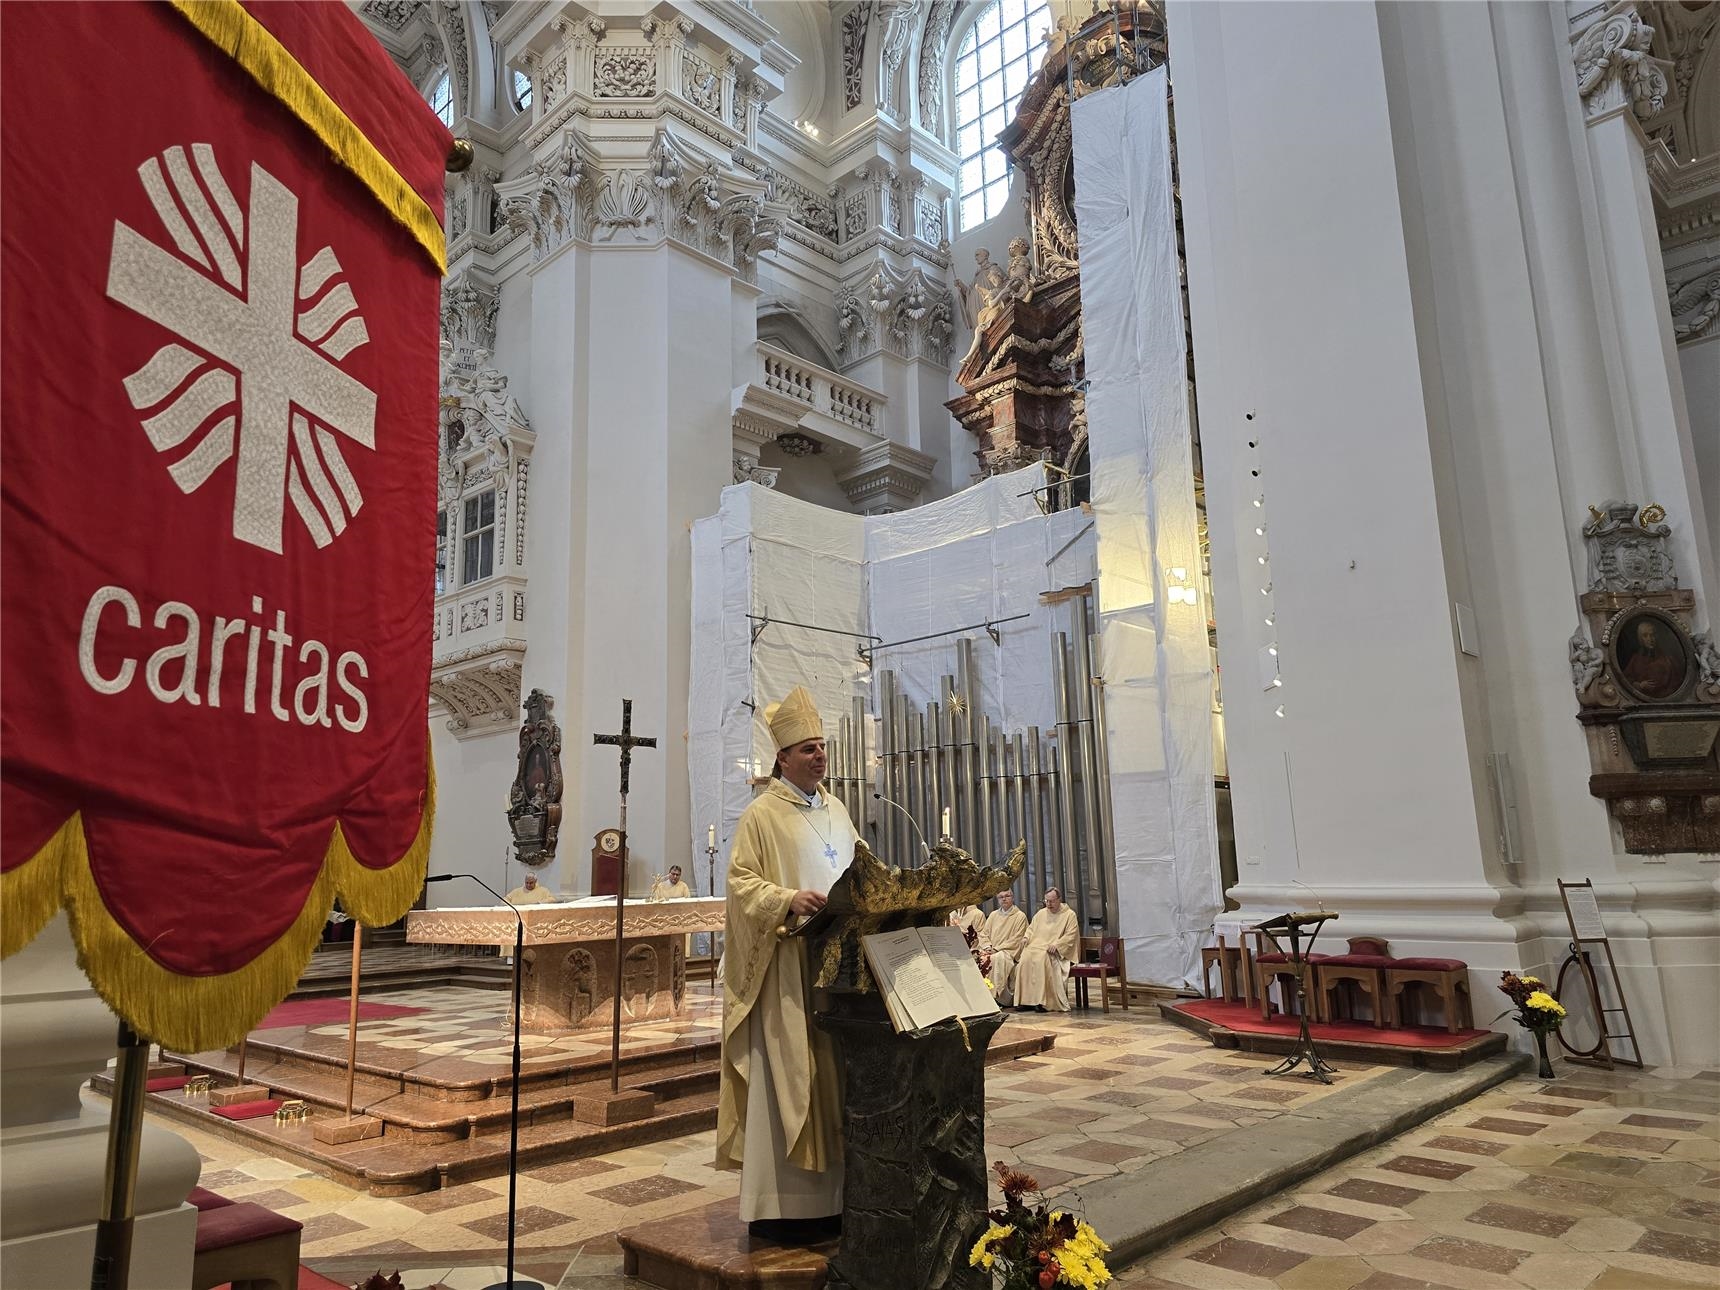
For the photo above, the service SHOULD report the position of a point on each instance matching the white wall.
(1412, 363)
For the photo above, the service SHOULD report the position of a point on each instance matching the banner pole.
(111, 1267)
(352, 1014)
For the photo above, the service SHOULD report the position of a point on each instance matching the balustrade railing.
(821, 390)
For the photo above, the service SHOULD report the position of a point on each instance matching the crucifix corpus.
(627, 741)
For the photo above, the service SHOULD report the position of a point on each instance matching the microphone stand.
(514, 1109)
(912, 823)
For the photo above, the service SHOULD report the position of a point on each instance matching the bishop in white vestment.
(779, 1110)
(1003, 936)
(1042, 971)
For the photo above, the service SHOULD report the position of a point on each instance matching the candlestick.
(946, 829)
(710, 837)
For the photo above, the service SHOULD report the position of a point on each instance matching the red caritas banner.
(219, 294)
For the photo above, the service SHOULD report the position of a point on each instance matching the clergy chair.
(1107, 962)
(1275, 964)
(1359, 971)
(1446, 979)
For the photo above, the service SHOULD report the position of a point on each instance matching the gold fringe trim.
(250, 44)
(196, 1013)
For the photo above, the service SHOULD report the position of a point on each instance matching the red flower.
(1047, 1278)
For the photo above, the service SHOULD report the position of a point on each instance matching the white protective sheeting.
(1155, 654)
(984, 554)
(765, 554)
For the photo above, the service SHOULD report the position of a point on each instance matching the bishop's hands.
(806, 903)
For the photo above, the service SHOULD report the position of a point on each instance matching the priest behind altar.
(1042, 971)
(779, 1114)
(1003, 936)
(531, 893)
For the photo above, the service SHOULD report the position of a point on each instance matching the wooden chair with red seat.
(1109, 963)
(1273, 964)
(1363, 969)
(1447, 979)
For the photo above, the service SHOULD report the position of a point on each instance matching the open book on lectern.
(926, 975)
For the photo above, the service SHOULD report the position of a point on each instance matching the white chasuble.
(1004, 934)
(1042, 970)
(779, 1112)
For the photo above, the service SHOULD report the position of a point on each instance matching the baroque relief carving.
(484, 695)
(624, 73)
(551, 201)
(469, 307)
(1693, 292)
(900, 18)
(905, 313)
(934, 48)
(1615, 66)
(854, 24)
(1627, 549)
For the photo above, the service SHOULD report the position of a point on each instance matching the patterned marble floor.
(1594, 1181)
(1113, 1096)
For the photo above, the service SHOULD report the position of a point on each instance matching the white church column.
(55, 1034)
(1619, 80)
(1351, 777)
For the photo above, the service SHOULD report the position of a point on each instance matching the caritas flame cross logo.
(266, 385)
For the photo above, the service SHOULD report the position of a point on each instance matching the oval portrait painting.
(1650, 657)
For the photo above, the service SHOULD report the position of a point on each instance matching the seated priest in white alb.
(1004, 934)
(1042, 970)
(670, 888)
(532, 893)
(779, 1109)
(970, 918)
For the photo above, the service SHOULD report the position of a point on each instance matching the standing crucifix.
(627, 741)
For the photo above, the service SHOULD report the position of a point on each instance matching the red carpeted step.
(247, 1110)
(203, 1198)
(1246, 1018)
(167, 1083)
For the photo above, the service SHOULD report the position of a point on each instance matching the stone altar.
(568, 971)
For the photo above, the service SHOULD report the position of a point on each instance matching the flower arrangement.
(1536, 1009)
(1037, 1247)
(1537, 1012)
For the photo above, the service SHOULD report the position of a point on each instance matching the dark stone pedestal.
(913, 1124)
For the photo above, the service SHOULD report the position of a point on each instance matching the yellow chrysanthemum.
(1544, 1002)
(1531, 980)
(981, 1256)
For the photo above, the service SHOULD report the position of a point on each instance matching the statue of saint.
(982, 299)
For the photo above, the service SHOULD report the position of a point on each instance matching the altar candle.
(710, 837)
(946, 821)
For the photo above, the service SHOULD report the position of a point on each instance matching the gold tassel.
(197, 1013)
(281, 76)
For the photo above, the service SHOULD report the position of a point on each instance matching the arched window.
(522, 91)
(999, 53)
(442, 99)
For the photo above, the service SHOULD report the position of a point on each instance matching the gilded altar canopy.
(794, 720)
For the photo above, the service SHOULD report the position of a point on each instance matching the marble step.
(401, 1165)
(434, 1081)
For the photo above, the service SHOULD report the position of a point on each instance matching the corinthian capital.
(1614, 66)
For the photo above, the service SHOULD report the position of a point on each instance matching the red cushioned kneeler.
(247, 1110)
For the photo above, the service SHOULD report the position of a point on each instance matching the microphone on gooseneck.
(911, 822)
